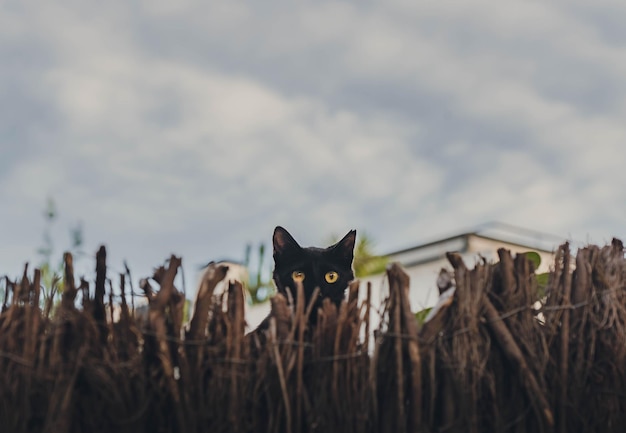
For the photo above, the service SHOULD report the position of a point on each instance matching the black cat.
(330, 268)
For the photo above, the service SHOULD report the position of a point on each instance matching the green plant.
(542, 279)
(51, 269)
(422, 314)
(366, 262)
(259, 284)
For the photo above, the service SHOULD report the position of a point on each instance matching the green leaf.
(421, 315)
(542, 283)
(542, 279)
(534, 257)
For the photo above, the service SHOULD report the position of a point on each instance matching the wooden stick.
(410, 326)
(396, 289)
(99, 311)
(506, 271)
(212, 276)
(281, 373)
(301, 323)
(235, 304)
(566, 285)
(156, 315)
(514, 354)
(69, 292)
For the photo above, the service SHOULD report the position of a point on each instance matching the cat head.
(330, 268)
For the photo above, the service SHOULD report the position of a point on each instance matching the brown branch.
(514, 354)
(236, 317)
(566, 287)
(210, 279)
(396, 287)
(99, 311)
(69, 291)
(415, 373)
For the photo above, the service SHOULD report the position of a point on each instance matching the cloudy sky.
(196, 127)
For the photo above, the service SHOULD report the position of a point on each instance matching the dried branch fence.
(499, 355)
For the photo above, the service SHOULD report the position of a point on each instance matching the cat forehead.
(312, 261)
(310, 254)
(316, 250)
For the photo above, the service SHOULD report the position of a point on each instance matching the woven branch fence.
(499, 355)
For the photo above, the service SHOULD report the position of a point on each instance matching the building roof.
(493, 231)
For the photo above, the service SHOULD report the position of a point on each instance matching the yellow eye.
(331, 277)
(297, 276)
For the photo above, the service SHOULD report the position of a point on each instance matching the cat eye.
(331, 277)
(297, 276)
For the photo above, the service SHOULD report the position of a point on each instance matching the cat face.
(330, 268)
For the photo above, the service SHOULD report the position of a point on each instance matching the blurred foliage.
(542, 279)
(51, 269)
(534, 257)
(187, 311)
(542, 283)
(259, 283)
(366, 262)
(422, 314)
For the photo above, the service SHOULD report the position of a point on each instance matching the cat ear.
(283, 241)
(345, 247)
